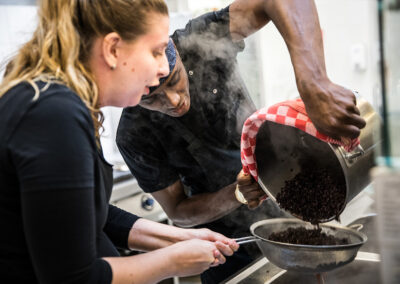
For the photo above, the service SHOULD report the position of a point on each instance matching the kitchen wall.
(17, 23)
(351, 49)
(350, 39)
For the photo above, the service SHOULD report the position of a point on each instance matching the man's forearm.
(206, 207)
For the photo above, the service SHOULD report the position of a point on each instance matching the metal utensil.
(305, 258)
(245, 240)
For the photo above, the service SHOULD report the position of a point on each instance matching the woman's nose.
(163, 66)
(173, 98)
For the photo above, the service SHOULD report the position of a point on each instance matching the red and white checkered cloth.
(290, 113)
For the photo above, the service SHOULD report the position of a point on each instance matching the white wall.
(16, 26)
(356, 25)
(346, 25)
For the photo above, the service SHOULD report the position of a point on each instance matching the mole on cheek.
(124, 63)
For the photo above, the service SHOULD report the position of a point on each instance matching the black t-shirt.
(56, 222)
(202, 148)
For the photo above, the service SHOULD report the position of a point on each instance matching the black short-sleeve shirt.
(159, 149)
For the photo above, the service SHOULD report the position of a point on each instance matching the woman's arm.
(180, 259)
(176, 252)
(147, 235)
(187, 211)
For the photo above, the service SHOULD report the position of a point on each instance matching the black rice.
(313, 195)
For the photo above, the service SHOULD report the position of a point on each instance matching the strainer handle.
(246, 240)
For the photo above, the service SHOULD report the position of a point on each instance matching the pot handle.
(357, 227)
(357, 152)
(246, 240)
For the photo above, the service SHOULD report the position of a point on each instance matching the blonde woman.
(57, 225)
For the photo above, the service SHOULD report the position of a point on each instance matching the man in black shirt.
(183, 142)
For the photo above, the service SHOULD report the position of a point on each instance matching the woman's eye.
(158, 53)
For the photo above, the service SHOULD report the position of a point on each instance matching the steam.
(217, 54)
(243, 218)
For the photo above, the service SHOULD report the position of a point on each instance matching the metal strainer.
(305, 258)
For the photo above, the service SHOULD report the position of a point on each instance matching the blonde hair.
(60, 46)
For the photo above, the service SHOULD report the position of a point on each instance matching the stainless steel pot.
(280, 150)
(305, 258)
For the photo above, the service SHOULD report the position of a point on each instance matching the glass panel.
(389, 11)
(392, 61)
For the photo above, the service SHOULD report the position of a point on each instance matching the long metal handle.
(246, 240)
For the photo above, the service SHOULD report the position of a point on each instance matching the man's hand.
(250, 190)
(331, 108)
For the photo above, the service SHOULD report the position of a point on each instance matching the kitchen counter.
(119, 175)
(129, 196)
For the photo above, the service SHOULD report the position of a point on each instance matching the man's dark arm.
(331, 107)
(196, 210)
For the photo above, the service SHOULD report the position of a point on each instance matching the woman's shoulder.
(60, 96)
(55, 103)
(41, 94)
(60, 101)
(63, 106)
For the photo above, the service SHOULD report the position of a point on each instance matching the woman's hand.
(225, 245)
(250, 189)
(195, 256)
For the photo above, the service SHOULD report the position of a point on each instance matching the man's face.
(172, 97)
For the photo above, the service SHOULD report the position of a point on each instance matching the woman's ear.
(110, 49)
